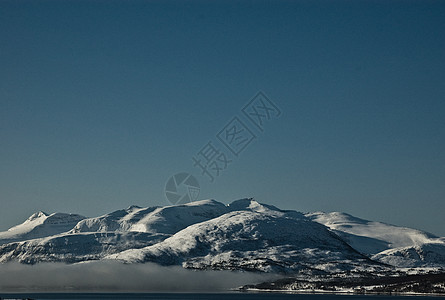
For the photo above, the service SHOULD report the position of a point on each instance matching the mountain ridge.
(243, 235)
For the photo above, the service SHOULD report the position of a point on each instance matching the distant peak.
(132, 207)
(244, 202)
(251, 204)
(206, 201)
(37, 215)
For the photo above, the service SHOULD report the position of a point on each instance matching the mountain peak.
(245, 235)
(251, 204)
(243, 203)
(37, 215)
(133, 207)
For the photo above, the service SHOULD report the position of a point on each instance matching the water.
(219, 296)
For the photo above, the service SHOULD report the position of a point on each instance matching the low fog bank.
(103, 276)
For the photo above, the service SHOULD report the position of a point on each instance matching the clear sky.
(102, 101)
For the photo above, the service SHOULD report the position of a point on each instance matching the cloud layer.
(109, 276)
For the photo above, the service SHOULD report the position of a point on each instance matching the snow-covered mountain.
(168, 219)
(40, 225)
(430, 254)
(94, 238)
(390, 244)
(252, 237)
(244, 235)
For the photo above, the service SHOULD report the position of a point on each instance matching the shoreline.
(349, 293)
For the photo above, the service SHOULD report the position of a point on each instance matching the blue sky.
(102, 101)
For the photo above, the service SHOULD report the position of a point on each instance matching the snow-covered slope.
(205, 234)
(40, 225)
(431, 254)
(94, 238)
(370, 237)
(390, 244)
(168, 219)
(75, 247)
(253, 237)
